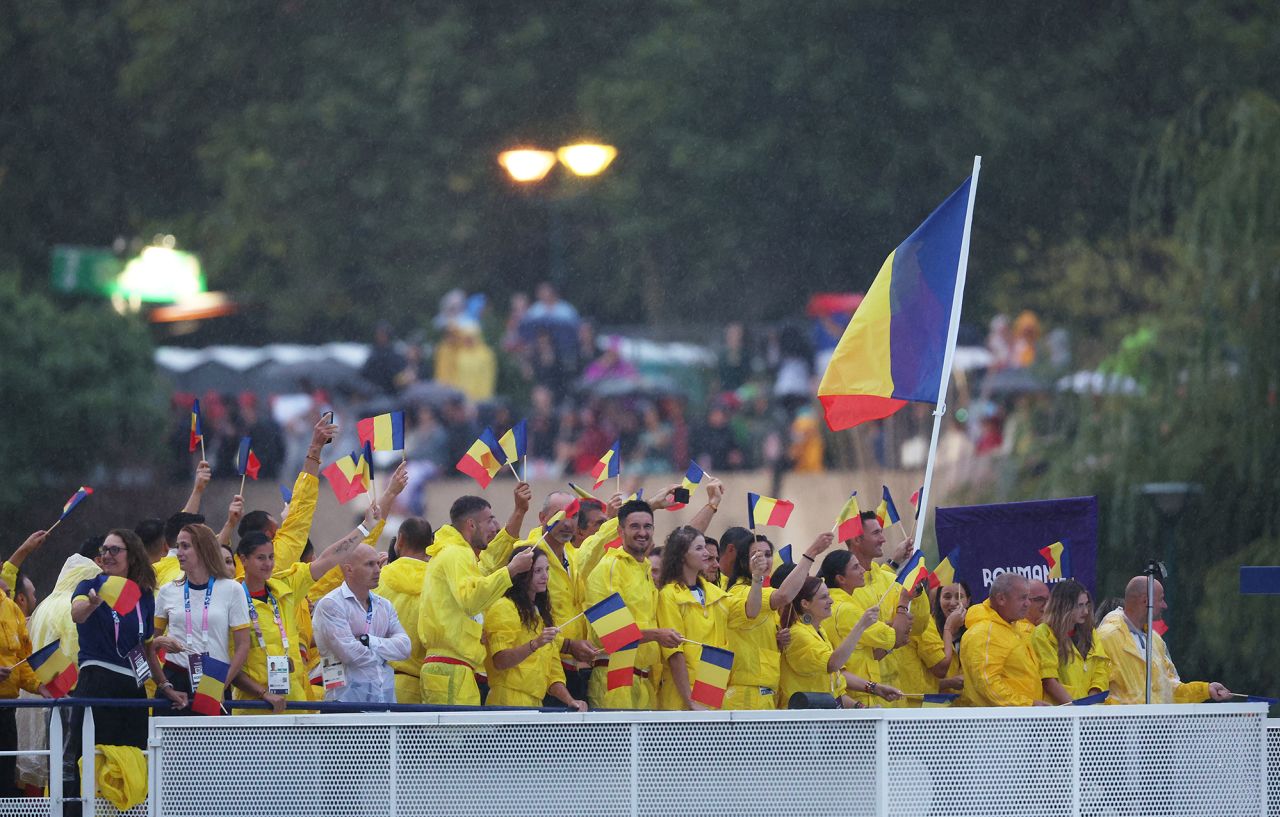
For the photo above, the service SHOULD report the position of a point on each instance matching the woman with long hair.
(754, 636)
(692, 606)
(204, 613)
(274, 670)
(117, 651)
(810, 663)
(948, 604)
(1072, 662)
(842, 573)
(523, 644)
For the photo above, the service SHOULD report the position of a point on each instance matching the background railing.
(1160, 760)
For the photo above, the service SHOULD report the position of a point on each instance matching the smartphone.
(328, 418)
(681, 495)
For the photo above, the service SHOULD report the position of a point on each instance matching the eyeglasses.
(111, 550)
(1038, 599)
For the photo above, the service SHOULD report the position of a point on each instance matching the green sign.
(85, 270)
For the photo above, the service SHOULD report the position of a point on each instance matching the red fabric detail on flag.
(707, 694)
(848, 410)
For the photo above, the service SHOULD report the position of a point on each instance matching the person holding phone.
(754, 635)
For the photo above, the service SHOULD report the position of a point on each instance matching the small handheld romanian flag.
(119, 593)
(915, 501)
(197, 432)
(913, 572)
(692, 479)
(1090, 700)
(75, 500)
(622, 667)
(483, 459)
(54, 668)
(581, 493)
(946, 570)
(609, 466)
(932, 699)
(849, 523)
(614, 625)
(346, 478)
(886, 511)
(713, 676)
(515, 441)
(765, 510)
(1059, 559)
(212, 686)
(246, 461)
(385, 432)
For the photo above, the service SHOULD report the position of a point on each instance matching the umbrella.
(326, 374)
(648, 384)
(1086, 382)
(1013, 381)
(429, 393)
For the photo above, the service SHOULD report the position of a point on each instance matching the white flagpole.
(953, 330)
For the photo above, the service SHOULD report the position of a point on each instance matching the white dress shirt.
(338, 622)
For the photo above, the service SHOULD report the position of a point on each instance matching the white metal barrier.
(1160, 760)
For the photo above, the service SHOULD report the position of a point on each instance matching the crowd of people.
(480, 611)
(752, 406)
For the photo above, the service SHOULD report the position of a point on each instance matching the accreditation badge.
(141, 669)
(195, 662)
(333, 673)
(278, 674)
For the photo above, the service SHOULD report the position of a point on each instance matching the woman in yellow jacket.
(810, 663)
(691, 606)
(523, 644)
(842, 574)
(1072, 662)
(947, 605)
(753, 617)
(275, 671)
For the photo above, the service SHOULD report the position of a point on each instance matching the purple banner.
(988, 540)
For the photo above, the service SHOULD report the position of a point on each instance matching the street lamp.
(1170, 500)
(529, 166)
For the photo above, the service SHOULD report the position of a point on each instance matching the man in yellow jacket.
(1123, 635)
(455, 593)
(401, 584)
(1000, 665)
(876, 650)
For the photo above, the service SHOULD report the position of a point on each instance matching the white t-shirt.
(227, 611)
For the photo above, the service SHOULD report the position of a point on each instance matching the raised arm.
(715, 493)
(331, 557)
(840, 655)
(9, 574)
(203, 475)
(785, 593)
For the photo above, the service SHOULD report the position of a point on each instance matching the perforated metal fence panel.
(1273, 768)
(1096, 761)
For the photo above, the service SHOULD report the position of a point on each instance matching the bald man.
(359, 633)
(1123, 635)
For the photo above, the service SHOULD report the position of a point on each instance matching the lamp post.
(530, 166)
(1170, 499)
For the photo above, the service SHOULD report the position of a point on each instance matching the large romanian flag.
(385, 431)
(54, 668)
(892, 351)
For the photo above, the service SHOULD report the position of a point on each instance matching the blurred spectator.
(268, 438)
(512, 343)
(733, 368)
(806, 442)
(426, 440)
(544, 431)
(653, 446)
(587, 345)
(1000, 343)
(1026, 334)
(610, 365)
(452, 306)
(460, 430)
(384, 362)
(548, 367)
(715, 445)
(557, 317)
(794, 359)
(465, 361)
(416, 369)
(592, 442)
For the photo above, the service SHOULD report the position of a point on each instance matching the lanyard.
(115, 620)
(186, 605)
(275, 612)
(368, 616)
